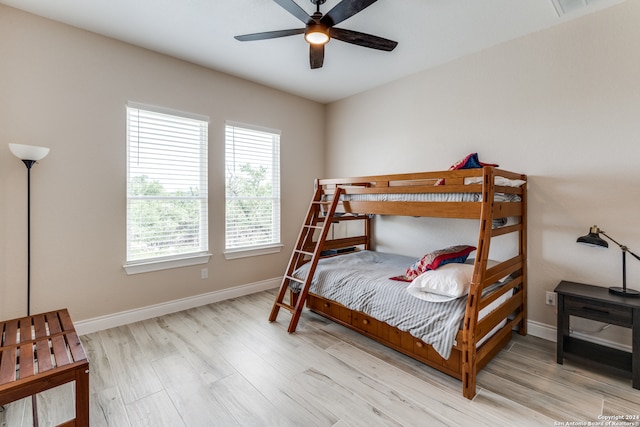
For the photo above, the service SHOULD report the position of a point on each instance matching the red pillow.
(471, 161)
(435, 259)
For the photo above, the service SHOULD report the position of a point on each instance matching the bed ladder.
(306, 250)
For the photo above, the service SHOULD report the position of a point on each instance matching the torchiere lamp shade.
(28, 152)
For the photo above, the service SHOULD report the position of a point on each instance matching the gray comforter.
(360, 281)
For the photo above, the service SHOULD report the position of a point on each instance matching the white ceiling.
(428, 32)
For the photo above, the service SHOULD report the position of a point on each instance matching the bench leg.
(82, 397)
(34, 409)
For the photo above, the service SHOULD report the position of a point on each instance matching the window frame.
(261, 249)
(202, 256)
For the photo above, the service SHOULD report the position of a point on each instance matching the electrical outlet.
(550, 298)
(204, 273)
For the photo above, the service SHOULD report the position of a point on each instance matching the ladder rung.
(287, 306)
(340, 218)
(332, 219)
(295, 279)
(303, 252)
(313, 226)
(320, 202)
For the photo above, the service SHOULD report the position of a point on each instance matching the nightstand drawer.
(601, 311)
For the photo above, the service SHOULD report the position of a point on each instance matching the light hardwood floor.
(224, 364)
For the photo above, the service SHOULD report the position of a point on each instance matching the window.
(252, 178)
(166, 189)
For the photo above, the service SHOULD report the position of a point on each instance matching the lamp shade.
(593, 238)
(28, 152)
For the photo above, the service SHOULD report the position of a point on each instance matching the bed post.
(469, 362)
(367, 232)
(522, 327)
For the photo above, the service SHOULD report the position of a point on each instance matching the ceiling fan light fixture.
(317, 34)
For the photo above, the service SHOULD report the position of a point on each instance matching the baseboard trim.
(537, 329)
(549, 333)
(541, 330)
(130, 316)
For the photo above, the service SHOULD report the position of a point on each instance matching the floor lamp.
(29, 155)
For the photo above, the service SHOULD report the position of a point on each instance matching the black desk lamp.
(593, 239)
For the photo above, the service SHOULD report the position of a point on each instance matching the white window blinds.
(166, 184)
(252, 177)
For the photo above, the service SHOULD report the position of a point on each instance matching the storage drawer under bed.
(388, 335)
(335, 310)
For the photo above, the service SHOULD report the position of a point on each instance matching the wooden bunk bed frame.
(467, 358)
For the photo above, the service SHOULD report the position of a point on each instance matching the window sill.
(253, 251)
(149, 266)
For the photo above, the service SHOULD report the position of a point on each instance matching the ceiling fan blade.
(362, 39)
(293, 8)
(269, 35)
(344, 10)
(316, 55)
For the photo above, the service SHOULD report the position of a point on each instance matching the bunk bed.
(490, 307)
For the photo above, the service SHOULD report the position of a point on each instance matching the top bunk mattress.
(428, 197)
(447, 194)
(390, 196)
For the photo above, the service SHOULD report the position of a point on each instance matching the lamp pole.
(28, 164)
(624, 249)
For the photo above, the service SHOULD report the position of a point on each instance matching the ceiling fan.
(319, 28)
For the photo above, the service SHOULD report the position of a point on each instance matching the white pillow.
(490, 263)
(446, 283)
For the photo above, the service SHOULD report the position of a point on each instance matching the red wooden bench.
(40, 352)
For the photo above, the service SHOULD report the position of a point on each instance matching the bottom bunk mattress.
(361, 281)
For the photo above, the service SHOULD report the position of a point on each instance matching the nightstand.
(597, 303)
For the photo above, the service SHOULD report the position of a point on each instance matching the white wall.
(66, 89)
(562, 106)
